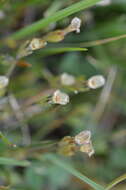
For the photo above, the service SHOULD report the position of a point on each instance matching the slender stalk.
(102, 41)
(116, 181)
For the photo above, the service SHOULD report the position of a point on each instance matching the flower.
(67, 79)
(60, 98)
(37, 43)
(96, 81)
(75, 24)
(87, 148)
(83, 137)
(3, 81)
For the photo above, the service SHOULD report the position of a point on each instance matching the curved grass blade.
(13, 162)
(53, 158)
(76, 7)
(116, 181)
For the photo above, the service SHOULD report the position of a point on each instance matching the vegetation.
(62, 94)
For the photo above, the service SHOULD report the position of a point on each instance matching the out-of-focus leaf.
(13, 162)
(51, 51)
(73, 171)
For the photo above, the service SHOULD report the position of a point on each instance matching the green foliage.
(31, 126)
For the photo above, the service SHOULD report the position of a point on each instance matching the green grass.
(39, 25)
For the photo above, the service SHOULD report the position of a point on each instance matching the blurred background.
(24, 118)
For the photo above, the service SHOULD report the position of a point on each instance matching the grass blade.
(73, 171)
(76, 7)
(50, 51)
(13, 162)
(116, 181)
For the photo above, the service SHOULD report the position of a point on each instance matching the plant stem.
(116, 181)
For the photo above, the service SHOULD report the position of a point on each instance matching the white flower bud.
(75, 24)
(67, 79)
(3, 81)
(104, 2)
(96, 81)
(83, 137)
(60, 98)
(36, 43)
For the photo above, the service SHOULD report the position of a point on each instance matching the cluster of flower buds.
(83, 139)
(67, 79)
(68, 146)
(59, 97)
(56, 36)
(96, 81)
(3, 81)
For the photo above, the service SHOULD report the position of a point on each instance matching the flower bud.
(3, 81)
(87, 148)
(83, 137)
(60, 98)
(67, 146)
(67, 79)
(36, 43)
(55, 36)
(96, 81)
(75, 24)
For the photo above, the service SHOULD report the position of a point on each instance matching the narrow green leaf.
(76, 7)
(13, 162)
(73, 171)
(116, 181)
(50, 51)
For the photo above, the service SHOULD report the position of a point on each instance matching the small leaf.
(13, 162)
(50, 51)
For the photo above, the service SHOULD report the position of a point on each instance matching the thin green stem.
(115, 182)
